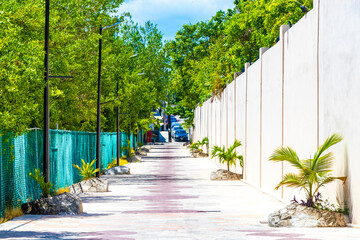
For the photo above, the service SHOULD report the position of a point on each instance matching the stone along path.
(168, 196)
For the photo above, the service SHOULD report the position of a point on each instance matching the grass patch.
(11, 213)
(62, 190)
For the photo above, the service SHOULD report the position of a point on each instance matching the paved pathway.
(169, 196)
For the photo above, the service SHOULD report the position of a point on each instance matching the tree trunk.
(228, 166)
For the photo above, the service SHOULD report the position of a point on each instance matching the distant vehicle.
(175, 124)
(181, 135)
(174, 129)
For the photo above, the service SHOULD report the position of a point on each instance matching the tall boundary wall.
(298, 93)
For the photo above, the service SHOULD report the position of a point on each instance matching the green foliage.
(87, 170)
(204, 141)
(205, 55)
(74, 35)
(46, 188)
(313, 173)
(229, 155)
(326, 205)
(194, 146)
(112, 164)
(129, 150)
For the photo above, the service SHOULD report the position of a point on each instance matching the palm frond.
(291, 180)
(286, 154)
(330, 141)
(324, 163)
(215, 151)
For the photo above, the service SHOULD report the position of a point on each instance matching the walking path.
(169, 196)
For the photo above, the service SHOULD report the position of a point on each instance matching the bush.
(46, 188)
(87, 170)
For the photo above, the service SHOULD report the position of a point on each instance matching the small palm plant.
(46, 187)
(228, 156)
(129, 150)
(87, 170)
(194, 146)
(313, 173)
(204, 141)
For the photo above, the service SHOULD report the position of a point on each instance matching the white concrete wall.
(223, 110)
(340, 93)
(240, 112)
(271, 118)
(231, 117)
(298, 93)
(253, 125)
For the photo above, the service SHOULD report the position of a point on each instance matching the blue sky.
(170, 15)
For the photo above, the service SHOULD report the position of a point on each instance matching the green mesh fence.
(22, 154)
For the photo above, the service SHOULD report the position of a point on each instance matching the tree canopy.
(74, 35)
(205, 55)
(196, 65)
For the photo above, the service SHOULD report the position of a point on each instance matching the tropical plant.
(87, 170)
(195, 147)
(313, 173)
(112, 164)
(229, 155)
(129, 150)
(46, 187)
(205, 141)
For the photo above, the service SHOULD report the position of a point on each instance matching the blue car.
(181, 135)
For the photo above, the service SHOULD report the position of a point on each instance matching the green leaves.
(228, 156)
(313, 173)
(87, 170)
(74, 35)
(205, 55)
(46, 188)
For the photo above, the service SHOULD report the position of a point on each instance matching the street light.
(99, 101)
(46, 142)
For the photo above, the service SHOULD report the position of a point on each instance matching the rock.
(65, 203)
(90, 185)
(295, 215)
(119, 170)
(141, 152)
(222, 174)
(134, 159)
(196, 153)
(146, 148)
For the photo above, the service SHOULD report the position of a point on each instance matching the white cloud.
(170, 15)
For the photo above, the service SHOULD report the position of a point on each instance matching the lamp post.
(99, 101)
(46, 142)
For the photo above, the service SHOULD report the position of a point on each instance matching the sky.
(170, 15)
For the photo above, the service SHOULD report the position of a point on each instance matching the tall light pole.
(98, 128)
(46, 141)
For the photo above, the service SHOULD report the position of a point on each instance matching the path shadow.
(119, 235)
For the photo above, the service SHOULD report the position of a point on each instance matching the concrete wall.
(339, 93)
(253, 125)
(297, 94)
(271, 118)
(300, 110)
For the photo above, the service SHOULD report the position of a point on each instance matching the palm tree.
(228, 156)
(313, 173)
(204, 141)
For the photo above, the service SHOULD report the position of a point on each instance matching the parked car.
(175, 124)
(174, 129)
(181, 135)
